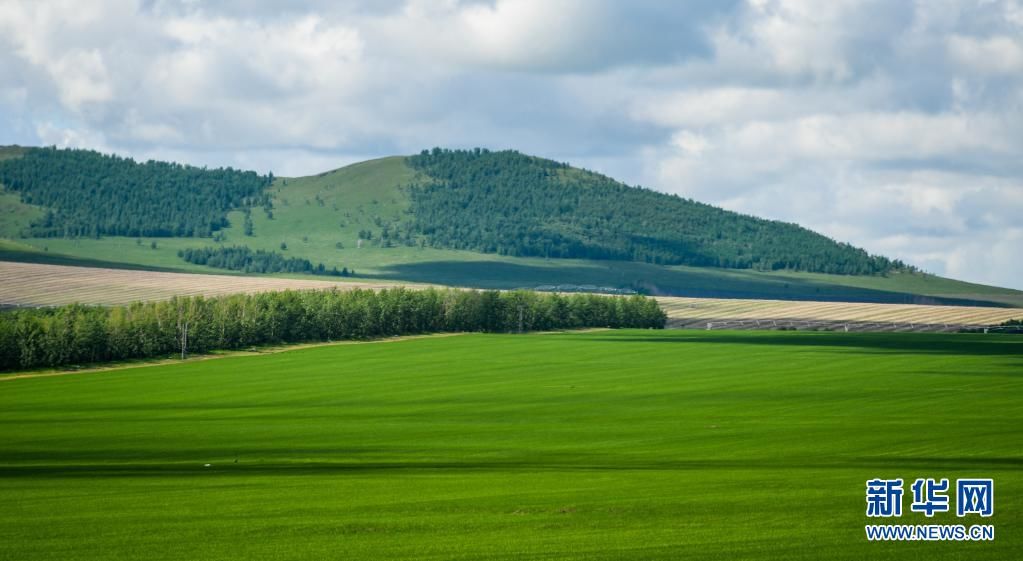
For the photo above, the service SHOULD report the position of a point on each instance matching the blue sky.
(891, 125)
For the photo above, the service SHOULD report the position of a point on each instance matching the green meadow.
(596, 445)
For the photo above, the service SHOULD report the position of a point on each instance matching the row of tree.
(88, 194)
(242, 258)
(76, 334)
(1013, 326)
(513, 204)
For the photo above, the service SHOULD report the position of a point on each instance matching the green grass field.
(599, 445)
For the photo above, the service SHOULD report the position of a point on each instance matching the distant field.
(698, 312)
(32, 284)
(603, 445)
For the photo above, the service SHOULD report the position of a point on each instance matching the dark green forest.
(241, 258)
(89, 194)
(512, 204)
(76, 334)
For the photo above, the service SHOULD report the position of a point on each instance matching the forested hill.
(509, 203)
(88, 194)
(492, 202)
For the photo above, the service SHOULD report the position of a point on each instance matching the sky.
(894, 125)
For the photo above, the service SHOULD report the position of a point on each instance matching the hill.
(513, 204)
(372, 218)
(87, 194)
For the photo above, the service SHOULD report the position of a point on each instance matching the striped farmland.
(31, 284)
(708, 313)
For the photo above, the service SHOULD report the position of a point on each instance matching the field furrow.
(32, 284)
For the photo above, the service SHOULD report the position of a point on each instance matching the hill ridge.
(359, 216)
(515, 204)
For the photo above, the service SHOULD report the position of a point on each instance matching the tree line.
(77, 334)
(88, 194)
(242, 258)
(512, 204)
(1013, 326)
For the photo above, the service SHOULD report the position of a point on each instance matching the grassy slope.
(603, 445)
(15, 215)
(354, 195)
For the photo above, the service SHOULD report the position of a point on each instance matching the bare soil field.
(33, 284)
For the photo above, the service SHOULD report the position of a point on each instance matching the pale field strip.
(32, 284)
(692, 309)
(838, 312)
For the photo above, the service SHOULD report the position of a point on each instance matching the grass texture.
(598, 445)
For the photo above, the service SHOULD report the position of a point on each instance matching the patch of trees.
(513, 204)
(1013, 326)
(391, 235)
(76, 334)
(242, 258)
(88, 194)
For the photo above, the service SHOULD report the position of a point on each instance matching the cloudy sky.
(894, 125)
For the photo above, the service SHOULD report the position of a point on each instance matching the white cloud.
(1014, 13)
(294, 56)
(511, 34)
(51, 134)
(738, 152)
(993, 55)
(523, 32)
(79, 73)
(691, 144)
(710, 106)
(798, 36)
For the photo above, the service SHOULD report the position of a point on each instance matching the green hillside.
(15, 215)
(513, 204)
(322, 218)
(88, 194)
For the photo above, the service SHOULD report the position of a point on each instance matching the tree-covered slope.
(322, 218)
(88, 194)
(492, 202)
(513, 204)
